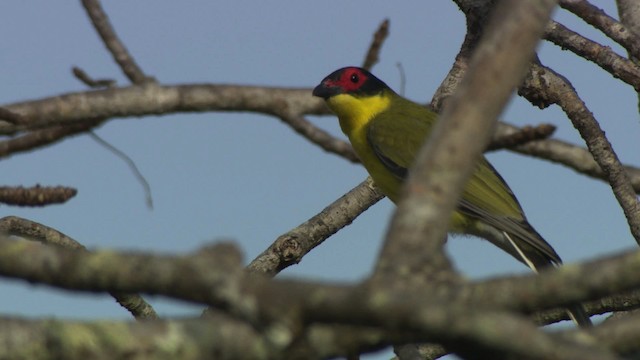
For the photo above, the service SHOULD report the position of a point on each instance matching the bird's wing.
(488, 197)
(396, 139)
(527, 243)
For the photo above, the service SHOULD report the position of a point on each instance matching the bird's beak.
(325, 90)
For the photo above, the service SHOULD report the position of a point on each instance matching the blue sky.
(250, 178)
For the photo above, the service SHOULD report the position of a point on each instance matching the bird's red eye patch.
(351, 79)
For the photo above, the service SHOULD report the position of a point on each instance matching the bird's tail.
(576, 312)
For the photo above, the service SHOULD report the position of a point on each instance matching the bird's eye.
(354, 78)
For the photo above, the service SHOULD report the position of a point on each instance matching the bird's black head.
(349, 80)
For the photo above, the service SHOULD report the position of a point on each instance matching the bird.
(386, 132)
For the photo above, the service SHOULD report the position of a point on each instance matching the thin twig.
(373, 54)
(561, 152)
(320, 137)
(522, 136)
(91, 82)
(403, 78)
(120, 54)
(86, 79)
(132, 165)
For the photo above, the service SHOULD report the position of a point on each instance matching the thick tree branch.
(569, 284)
(152, 99)
(286, 104)
(10, 117)
(445, 316)
(189, 339)
(175, 339)
(69, 109)
(620, 335)
(30, 230)
(629, 11)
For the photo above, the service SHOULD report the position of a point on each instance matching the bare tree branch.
(108, 35)
(605, 23)
(296, 319)
(91, 82)
(151, 99)
(283, 103)
(46, 136)
(564, 153)
(286, 104)
(521, 136)
(36, 195)
(443, 316)
(560, 90)
(30, 230)
(616, 65)
(187, 339)
(10, 117)
(376, 45)
(289, 248)
(563, 286)
(629, 11)
(319, 137)
(620, 335)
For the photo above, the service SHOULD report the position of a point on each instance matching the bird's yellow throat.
(355, 112)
